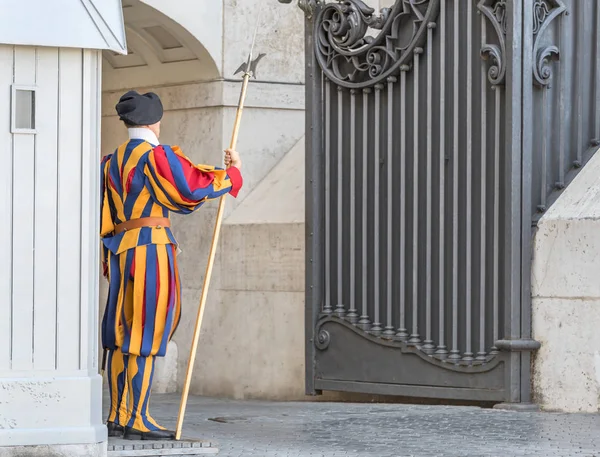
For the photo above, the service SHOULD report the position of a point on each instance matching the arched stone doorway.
(160, 52)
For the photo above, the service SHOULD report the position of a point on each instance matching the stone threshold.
(184, 447)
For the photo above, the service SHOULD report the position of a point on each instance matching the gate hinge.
(521, 345)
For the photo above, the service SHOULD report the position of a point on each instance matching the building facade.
(267, 334)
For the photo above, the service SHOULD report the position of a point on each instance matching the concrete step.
(125, 448)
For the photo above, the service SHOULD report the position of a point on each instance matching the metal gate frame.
(528, 49)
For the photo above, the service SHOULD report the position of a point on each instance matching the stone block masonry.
(566, 298)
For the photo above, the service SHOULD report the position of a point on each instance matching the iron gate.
(438, 135)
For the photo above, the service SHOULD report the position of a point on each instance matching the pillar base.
(58, 450)
(522, 407)
(54, 411)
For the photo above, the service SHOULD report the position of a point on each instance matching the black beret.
(138, 109)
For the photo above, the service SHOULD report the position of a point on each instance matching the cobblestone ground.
(269, 429)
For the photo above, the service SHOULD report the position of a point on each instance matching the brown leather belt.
(143, 222)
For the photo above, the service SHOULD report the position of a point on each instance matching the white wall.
(566, 298)
(49, 255)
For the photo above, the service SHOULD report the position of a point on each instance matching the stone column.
(566, 298)
(50, 389)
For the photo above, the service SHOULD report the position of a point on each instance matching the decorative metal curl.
(497, 70)
(544, 12)
(351, 58)
(542, 69)
(323, 340)
(495, 11)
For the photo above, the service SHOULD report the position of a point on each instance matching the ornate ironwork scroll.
(323, 339)
(351, 58)
(544, 12)
(495, 11)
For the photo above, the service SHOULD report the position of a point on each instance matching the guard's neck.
(142, 133)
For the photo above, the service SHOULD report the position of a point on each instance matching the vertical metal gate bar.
(496, 253)
(328, 309)
(597, 74)
(414, 337)
(364, 318)
(522, 387)
(313, 202)
(314, 183)
(455, 352)
(376, 327)
(352, 314)
(402, 330)
(580, 76)
(561, 114)
(543, 190)
(339, 307)
(513, 190)
(482, 246)
(442, 350)
(389, 328)
(428, 346)
(468, 355)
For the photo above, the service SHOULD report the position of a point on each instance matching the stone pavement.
(268, 429)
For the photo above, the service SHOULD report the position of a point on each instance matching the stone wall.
(566, 298)
(252, 345)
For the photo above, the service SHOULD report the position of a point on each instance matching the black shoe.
(115, 430)
(156, 435)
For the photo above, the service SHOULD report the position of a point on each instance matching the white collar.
(141, 133)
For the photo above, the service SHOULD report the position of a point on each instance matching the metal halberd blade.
(249, 67)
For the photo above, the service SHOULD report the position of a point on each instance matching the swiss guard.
(142, 182)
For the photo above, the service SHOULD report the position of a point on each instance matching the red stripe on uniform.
(196, 179)
(235, 176)
(129, 179)
(157, 289)
(163, 168)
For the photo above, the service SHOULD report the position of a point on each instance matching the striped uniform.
(144, 300)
